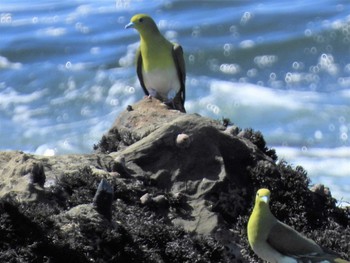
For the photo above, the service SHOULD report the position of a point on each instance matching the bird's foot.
(148, 97)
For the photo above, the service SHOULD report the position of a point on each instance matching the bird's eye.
(141, 20)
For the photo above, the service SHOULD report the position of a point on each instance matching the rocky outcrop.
(180, 186)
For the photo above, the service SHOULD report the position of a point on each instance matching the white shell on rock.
(183, 140)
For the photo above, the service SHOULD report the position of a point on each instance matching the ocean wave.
(286, 117)
(318, 162)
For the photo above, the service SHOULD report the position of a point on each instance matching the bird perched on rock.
(277, 242)
(160, 63)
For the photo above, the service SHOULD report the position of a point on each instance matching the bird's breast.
(163, 83)
(156, 54)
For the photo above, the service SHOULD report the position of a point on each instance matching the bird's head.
(143, 23)
(262, 196)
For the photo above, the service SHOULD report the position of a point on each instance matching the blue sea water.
(281, 67)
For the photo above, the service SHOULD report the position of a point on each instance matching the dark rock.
(161, 201)
(321, 190)
(146, 199)
(233, 130)
(38, 174)
(258, 139)
(197, 199)
(120, 167)
(103, 199)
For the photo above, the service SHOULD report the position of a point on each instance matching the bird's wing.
(180, 68)
(139, 71)
(288, 241)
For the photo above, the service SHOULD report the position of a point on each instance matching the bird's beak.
(265, 199)
(130, 25)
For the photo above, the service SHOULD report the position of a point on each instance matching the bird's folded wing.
(180, 67)
(288, 241)
(139, 71)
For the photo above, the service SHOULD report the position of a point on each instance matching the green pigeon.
(160, 64)
(277, 242)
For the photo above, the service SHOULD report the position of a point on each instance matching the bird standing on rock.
(277, 242)
(160, 64)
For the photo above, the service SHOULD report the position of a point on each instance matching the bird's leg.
(151, 93)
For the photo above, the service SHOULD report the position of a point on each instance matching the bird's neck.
(150, 35)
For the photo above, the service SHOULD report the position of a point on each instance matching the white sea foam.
(129, 59)
(237, 98)
(11, 97)
(52, 31)
(319, 161)
(6, 64)
(286, 111)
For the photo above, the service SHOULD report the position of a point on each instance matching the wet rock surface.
(173, 187)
